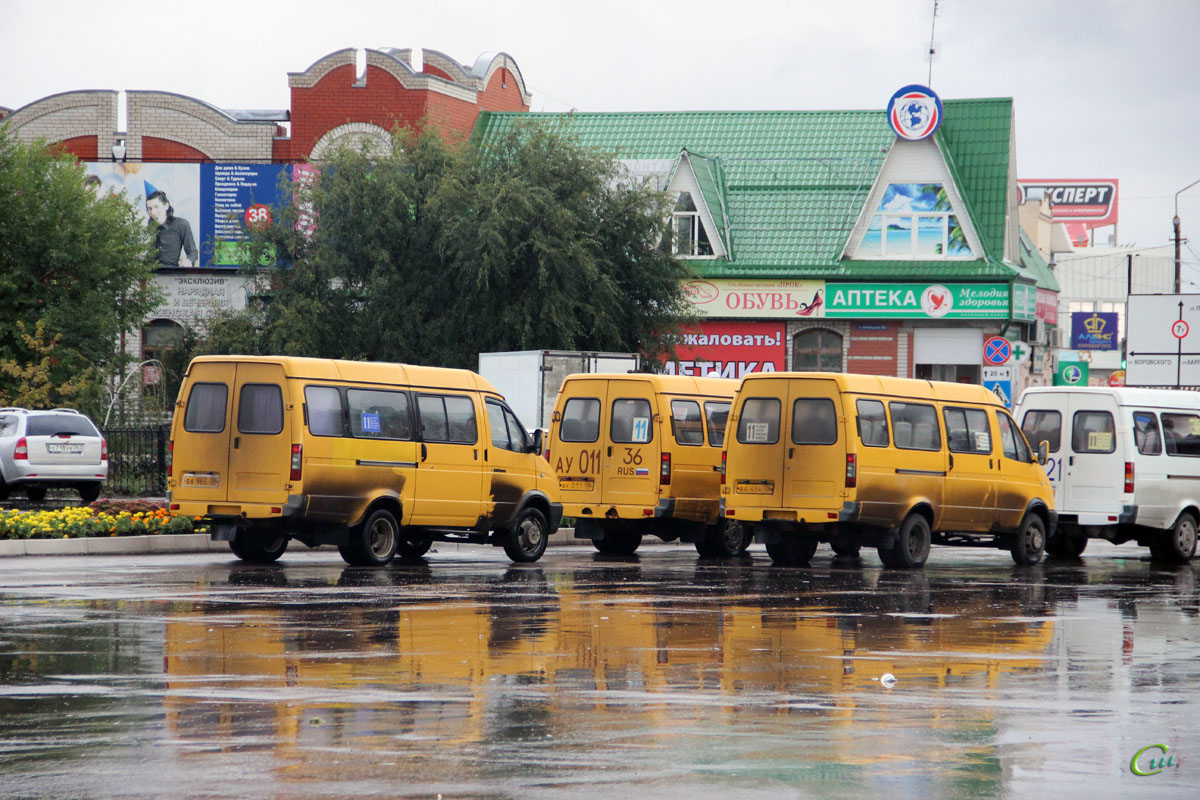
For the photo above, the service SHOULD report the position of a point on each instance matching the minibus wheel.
(911, 547)
(412, 545)
(791, 549)
(1178, 545)
(1030, 543)
(372, 543)
(528, 537)
(722, 540)
(258, 548)
(845, 548)
(1066, 546)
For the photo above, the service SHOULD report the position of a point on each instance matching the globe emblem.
(1072, 374)
(914, 114)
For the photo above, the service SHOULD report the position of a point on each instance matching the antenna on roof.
(932, 43)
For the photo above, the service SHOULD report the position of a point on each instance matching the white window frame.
(695, 225)
(910, 251)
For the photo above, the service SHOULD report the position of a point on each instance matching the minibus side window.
(580, 420)
(323, 410)
(630, 421)
(1092, 432)
(686, 424)
(1145, 433)
(260, 408)
(1044, 426)
(1011, 439)
(872, 423)
(718, 417)
(968, 431)
(1180, 434)
(379, 415)
(517, 435)
(500, 437)
(914, 426)
(460, 414)
(759, 422)
(206, 408)
(814, 421)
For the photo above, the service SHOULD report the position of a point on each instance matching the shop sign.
(914, 112)
(729, 350)
(1024, 302)
(1071, 373)
(1047, 306)
(756, 299)
(918, 300)
(187, 298)
(1094, 331)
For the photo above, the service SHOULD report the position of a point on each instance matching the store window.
(817, 350)
(915, 220)
(160, 336)
(690, 237)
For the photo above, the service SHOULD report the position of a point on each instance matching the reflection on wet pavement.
(657, 675)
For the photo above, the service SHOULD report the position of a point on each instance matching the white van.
(1124, 462)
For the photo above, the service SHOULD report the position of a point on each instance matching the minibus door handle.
(1070, 461)
(424, 451)
(952, 461)
(237, 441)
(791, 452)
(610, 451)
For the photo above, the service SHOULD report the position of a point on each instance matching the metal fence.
(137, 461)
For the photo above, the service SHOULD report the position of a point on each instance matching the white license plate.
(575, 484)
(202, 480)
(64, 448)
(754, 488)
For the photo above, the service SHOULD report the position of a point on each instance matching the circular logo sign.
(914, 112)
(937, 300)
(1072, 374)
(258, 217)
(1117, 378)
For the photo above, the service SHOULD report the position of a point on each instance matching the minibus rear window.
(872, 423)
(378, 415)
(630, 421)
(1145, 433)
(1092, 432)
(686, 423)
(759, 422)
(814, 421)
(1181, 434)
(718, 418)
(206, 408)
(260, 408)
(580, 420)
(1043, 426)
(914, 426)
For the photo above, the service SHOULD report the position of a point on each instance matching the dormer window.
(690, 237)
(914, 220)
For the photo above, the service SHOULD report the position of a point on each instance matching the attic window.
(915, 220)
(690, 237)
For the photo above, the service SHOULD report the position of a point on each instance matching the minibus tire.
(1178, 545)
(911, 547)
(846, 549)
(791, 549)
(1030, 543)
(258, 548)
(1062, 545)
(412, 545)
(724, 539)
(617, 541)
(374, 542)
(527, 539)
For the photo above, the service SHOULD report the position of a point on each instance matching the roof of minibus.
(848, 383)
(668, 384)
(1125, 395)
(376, 372)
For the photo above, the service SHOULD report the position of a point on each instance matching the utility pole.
(1175, 222)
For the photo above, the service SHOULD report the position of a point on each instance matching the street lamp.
(1176, 223)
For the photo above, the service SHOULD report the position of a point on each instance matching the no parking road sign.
(997, 350)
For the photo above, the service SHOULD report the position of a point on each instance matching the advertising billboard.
(1094, 330)
(198, 212)
(1082, 204)
(771, 299)
(730, 350)
(918, 300)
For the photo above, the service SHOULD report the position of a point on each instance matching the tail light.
(1128, 477)
(21, 451)
(170, 457)
(851, 470)
(664, 475)
(724, 453)
(297, 462)
(104, 452)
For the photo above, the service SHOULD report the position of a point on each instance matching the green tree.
(73, 267)
(431, 254)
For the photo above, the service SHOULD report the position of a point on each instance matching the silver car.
(60, 447)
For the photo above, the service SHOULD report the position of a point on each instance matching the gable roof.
(794, 182)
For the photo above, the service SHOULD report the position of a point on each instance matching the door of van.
(510, 469)
(260, 452)
(695, 464)
(201, 441)
(1017, 482)
(450, 469)
(969, 493)
(631, 455)
(576, 445)
(756, 474)
(814, 466)
(1094, 474)
(1042, 416)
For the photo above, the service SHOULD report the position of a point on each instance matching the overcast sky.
(1102, 89)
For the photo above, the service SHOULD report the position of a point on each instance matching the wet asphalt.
(462, 675)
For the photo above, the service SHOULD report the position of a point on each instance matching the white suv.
(60, 447)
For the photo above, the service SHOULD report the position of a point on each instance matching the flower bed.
(103, 518)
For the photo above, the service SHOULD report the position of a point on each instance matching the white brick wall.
(196, 124)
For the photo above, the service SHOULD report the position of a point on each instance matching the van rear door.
(1043, 417)
(260, 452)
(201, 441)
(631, 463)
(756, 471)
(815, 465)
(1094, 473)
(576, 444)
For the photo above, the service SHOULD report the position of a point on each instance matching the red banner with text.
(730, 350)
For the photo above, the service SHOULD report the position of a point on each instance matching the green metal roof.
(794, 182)
(1036, 266)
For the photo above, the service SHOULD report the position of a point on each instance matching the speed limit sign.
(258, 217)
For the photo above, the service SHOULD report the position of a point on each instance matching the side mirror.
(1043, 452)
(538, 441)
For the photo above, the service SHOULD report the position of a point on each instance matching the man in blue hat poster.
(173, 235)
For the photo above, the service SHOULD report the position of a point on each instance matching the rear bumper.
(1126, 516)
(663, 509)
(849, 512)
(234, 512)
(25, 473)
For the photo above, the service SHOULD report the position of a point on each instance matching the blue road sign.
(1003, 390)
(997, 350)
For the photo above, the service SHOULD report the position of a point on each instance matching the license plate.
(754, 488)
(74, 449)
(575, 484)
(202, 480)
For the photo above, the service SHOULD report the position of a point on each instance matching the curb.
(175, 543)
